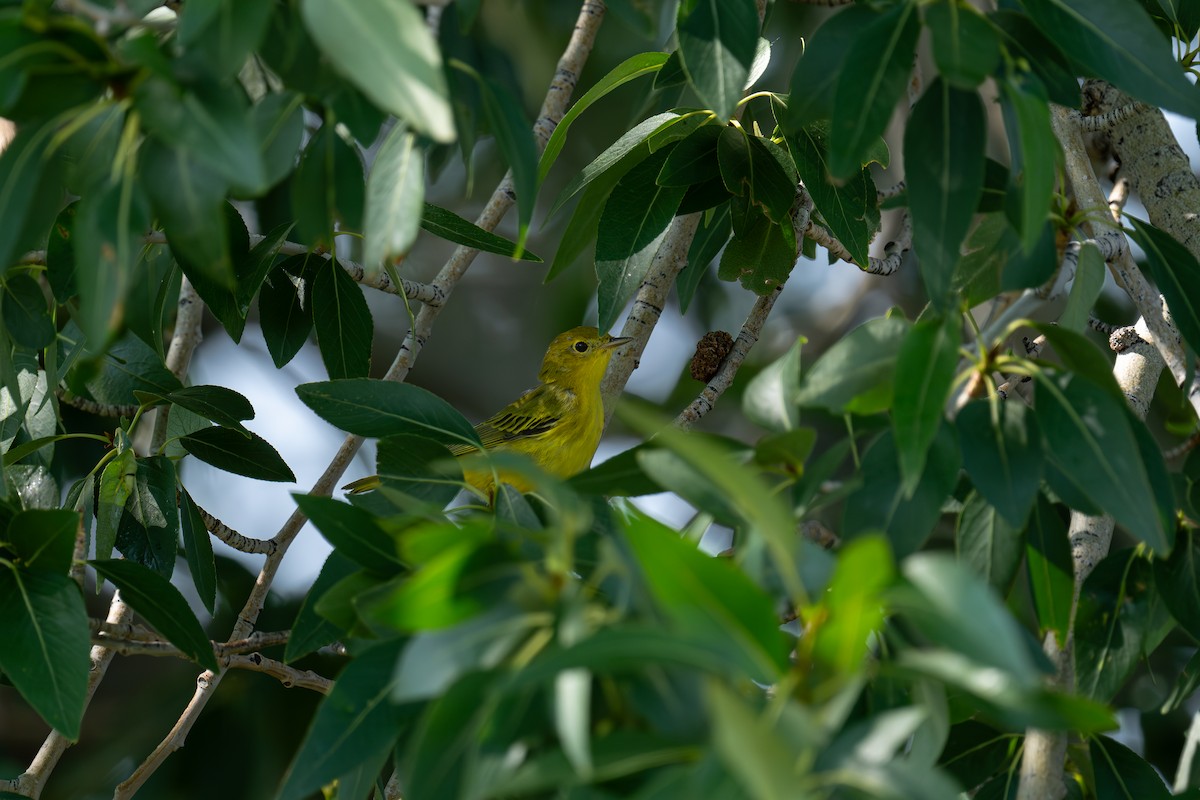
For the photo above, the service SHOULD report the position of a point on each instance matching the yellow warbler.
(557, 423)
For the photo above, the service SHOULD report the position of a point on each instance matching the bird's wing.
(534, 413)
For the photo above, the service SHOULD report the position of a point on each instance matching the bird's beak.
(616, 342)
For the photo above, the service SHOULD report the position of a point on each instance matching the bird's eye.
(581, 347)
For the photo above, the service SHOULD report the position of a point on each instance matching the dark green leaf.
(769, 400)
(873, 78)
(45, 654)
(813, 81)
(342, 321)
(453, 228)
(447, 739)
(253, 267)
(210, 122)
(385, 408)
(619, 476)
(228, 31)
(1089, 436)
(25, 313)
(1024, 41)
(761, 258)
(926, 363)
(632, 226)
(419, 467)
(386, 50)
(1120, 619)
(717, 41)
(60, 254)
(234, 452)
(197, 547)
(24, 164)
(1001, 451)
(109, 227)
(148, 532)
(1051, 568)
(1034, 156)
(987, 543)
(855, 374)
(881, 504)
(965, 47)
(1177, 274)
(758, 169)
(310, 631)
(161, 604)
(711, 236)
(285, 308)
(223, 406)
(44, 538)
(1118, 42)
(1122, 774)
(128, 366)
(694, 159)
(514, 135)
(356, 723)
(944, 153)
(850, 208)
(352, 531)
(1178, 578)
(278, 121)
(327, 188)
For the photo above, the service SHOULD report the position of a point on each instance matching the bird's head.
(579, 355)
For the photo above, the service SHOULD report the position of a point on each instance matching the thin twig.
(290, 677)
(234, 539)
(1102, 122)
(92, 407)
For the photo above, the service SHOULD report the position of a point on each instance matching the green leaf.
(278, 123)
(758, 169)
(1034, 156)
(43, 538)
(60, 254)
(881, 504)
(632, 67)
(850, 208)
(1001, 451)
(161, 605)
(227, 34)
(420, 467)
(1118, 42)
(26, 316)
(946, 602)
(223, 299)
(619, 476)
(1120, 619)
(342, 321)
(352, 531)
(632, 226)
(208, 121)
(814, 80)
(769, 400)
(45, 654)
(109, 227)
(253, 267)
(448, 738)
(197, 548)
(717, 42)
(453, 228)
(711, 236)
(385, 408)
(514, 135)
(747, 742)
(944, 150)
(1022, 39)
(355, 723)
(926, 363)
(327, 187)
(987, 543)
(285, 308)
(761, 258)
(234, 452)
(188, 199)
(117, 483)
(1122, 774)
(311, 631)
(1090, 273)
(694, 159)
(855, 374)
(709, 598)
(1178, 578)
(1090, 438)
(223, 406)
(395, 199)
(873, 78)
(853, 609)
(386, 50)
(24, 163)
(965, 47)
(148, 532)
(1051, 569)
(1176, 272)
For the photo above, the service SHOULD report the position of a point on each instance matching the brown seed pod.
(710, 352)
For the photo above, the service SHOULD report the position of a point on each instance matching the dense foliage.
(911, 582)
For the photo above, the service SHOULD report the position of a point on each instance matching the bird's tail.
(367, 484)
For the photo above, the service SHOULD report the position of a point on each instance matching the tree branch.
(234, 539)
